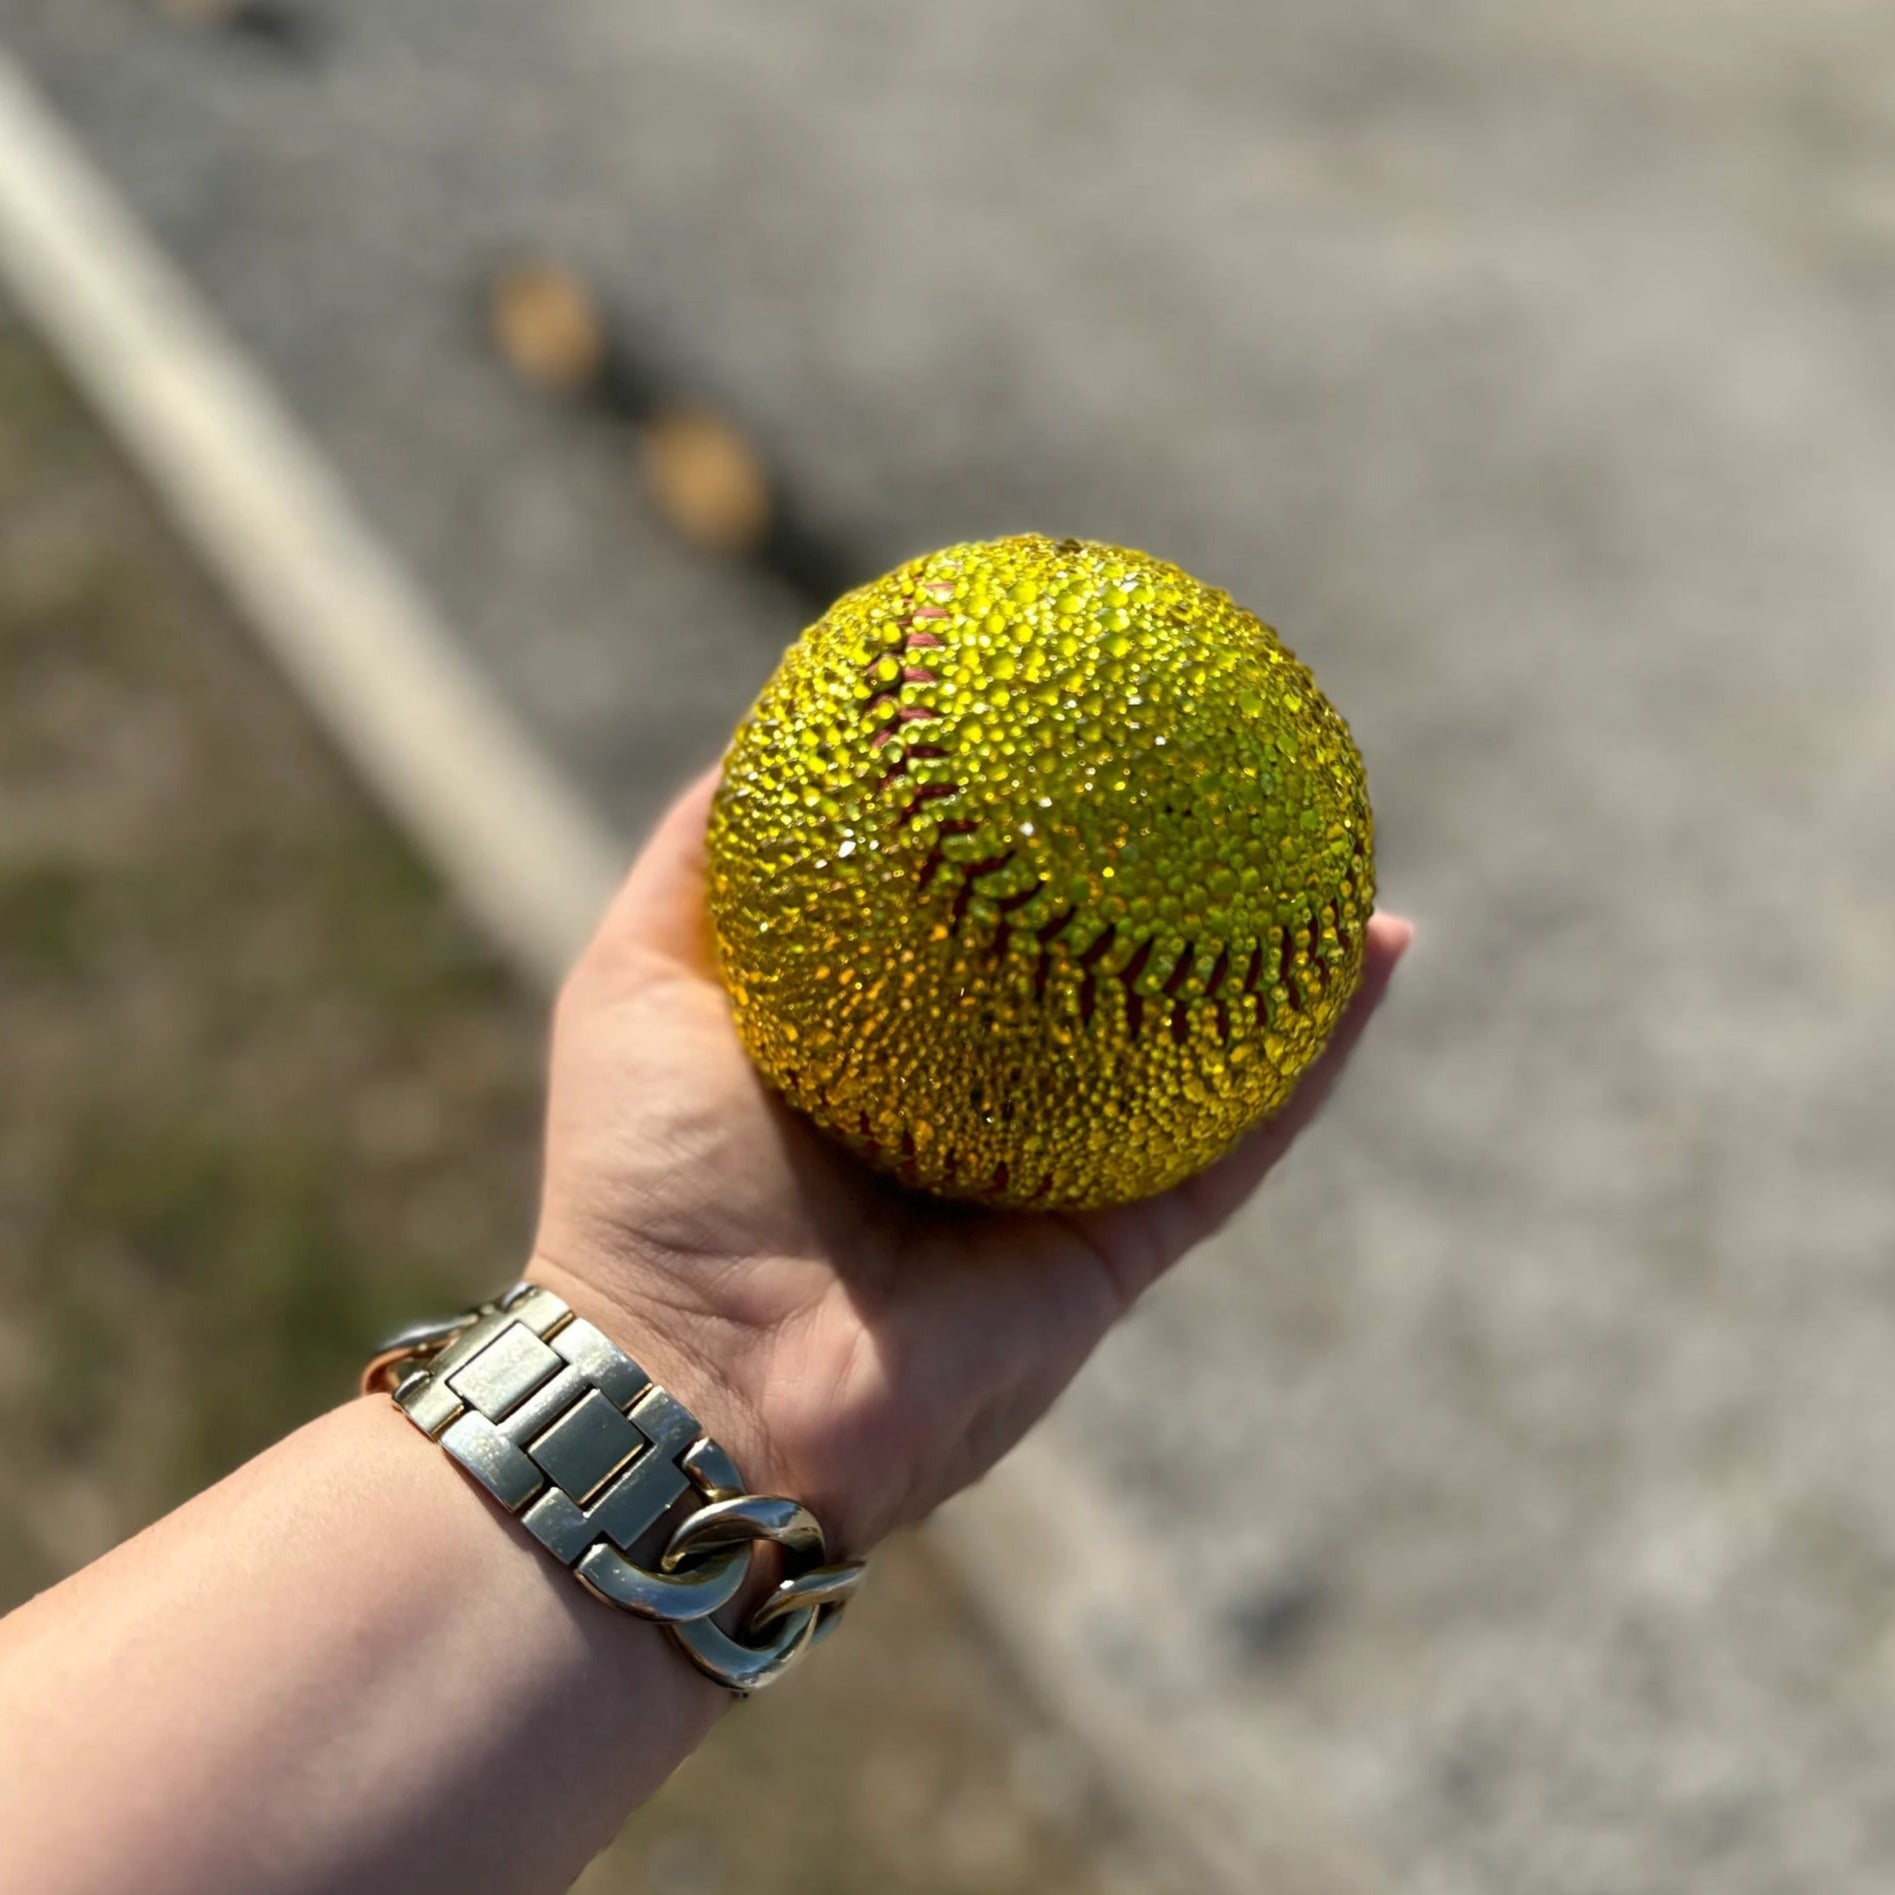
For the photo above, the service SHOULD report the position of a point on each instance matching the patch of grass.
(43, 921)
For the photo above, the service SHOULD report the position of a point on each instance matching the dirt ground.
(264, 1095)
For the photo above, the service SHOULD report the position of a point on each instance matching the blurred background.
(1522, 1467)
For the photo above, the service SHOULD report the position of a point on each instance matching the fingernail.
(1395, 931)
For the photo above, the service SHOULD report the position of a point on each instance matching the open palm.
(862, 1348)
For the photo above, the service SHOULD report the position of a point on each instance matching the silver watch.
(605, 1468)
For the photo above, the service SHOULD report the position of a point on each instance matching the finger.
(1152, 1236)
(659, 909)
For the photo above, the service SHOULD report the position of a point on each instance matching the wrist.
(617, 1478)
(721, 1370)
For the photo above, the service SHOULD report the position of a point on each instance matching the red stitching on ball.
(1346, 894)
(971, 872)
(1182, 972)
(926, 794)
(907, 714)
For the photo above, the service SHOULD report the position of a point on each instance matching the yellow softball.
(1039, 873)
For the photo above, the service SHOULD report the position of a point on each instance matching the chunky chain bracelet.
(600, 1464)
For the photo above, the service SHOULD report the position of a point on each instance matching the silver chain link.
(595, 1460)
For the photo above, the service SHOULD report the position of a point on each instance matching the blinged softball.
(1039, 873)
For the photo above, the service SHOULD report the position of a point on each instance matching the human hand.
(852, 1344)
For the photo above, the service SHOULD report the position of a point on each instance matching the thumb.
(659, 911)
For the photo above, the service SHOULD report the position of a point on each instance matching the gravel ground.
(1529, 366)
(263, 1098)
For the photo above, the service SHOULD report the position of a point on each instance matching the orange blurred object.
(546, 322)
(708, 481)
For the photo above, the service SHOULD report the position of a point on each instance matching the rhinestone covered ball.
(1039, 873)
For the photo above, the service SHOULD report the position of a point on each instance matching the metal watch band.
(600, 1464)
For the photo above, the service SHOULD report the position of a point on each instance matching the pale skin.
(342, 1669)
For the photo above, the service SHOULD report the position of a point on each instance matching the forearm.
(339, 1669)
